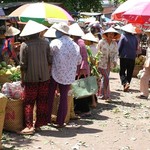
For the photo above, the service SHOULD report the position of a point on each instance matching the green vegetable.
(4, 64)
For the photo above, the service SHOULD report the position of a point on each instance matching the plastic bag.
(13, 90)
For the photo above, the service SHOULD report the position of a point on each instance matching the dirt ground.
(123, 124)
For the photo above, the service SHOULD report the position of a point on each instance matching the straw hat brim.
(75, 30)
(118, 27)
(51, 32)
(129, 28)
(111, 30)
(62, 27)
(12, 31)
(89, 37)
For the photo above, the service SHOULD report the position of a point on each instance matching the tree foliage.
(71, 5)
(82, 5)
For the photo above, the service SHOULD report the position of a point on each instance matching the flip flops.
(58, 126)
(27, 131)
(126, 87)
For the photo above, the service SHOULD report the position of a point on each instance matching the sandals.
(126, 87)
(108, 100)
(27, 131)
(142, 97)
(58, 126)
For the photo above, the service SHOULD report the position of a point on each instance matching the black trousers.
(126, 70)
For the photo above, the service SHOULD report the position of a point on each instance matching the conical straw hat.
(51, 32)
(32, 27)
(12, 31)
(111, 30)
(75, 30)
(89, 37)
(129, 28)
(62, 27)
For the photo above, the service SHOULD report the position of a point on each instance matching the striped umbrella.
(41, 12)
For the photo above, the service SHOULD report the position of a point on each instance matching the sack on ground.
(70, 112)
(85, 87)
(14, 115)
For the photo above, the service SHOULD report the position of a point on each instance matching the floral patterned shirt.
(109, 53)
(66, 57)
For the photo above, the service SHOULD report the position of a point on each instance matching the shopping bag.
(84, 87)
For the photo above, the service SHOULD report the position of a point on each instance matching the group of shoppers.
(54, 64)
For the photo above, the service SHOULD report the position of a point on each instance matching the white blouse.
(109, 53)
(66, 57)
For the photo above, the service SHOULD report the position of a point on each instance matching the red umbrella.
(140, 14)
(129, 4)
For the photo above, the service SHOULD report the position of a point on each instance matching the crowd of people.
(51, 59)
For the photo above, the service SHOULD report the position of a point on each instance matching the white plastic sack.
(13, 90)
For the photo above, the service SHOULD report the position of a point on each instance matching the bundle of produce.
(93, 62)
(9, 73)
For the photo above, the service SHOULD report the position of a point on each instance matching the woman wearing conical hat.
(35, 63)
(91, 46)
(7, 51)
(107, 46)
(83, 70)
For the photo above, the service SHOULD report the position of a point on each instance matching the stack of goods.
(139, 62)
(14, 109)
(11, 87)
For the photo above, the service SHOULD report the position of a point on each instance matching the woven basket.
(136, 70)
(3, 103)
(14, 115)
(4, 78)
